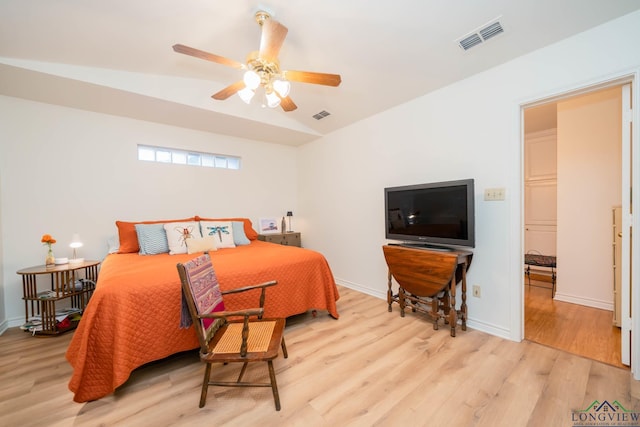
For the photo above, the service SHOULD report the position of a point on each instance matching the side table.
(291, 238)
(423, 275)
(74, 281)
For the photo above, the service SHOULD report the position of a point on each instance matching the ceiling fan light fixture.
(251, 79)
(272, 100)
(262, 73)
(282, 87)
(246, 95)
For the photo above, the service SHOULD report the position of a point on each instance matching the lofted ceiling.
(115, 56)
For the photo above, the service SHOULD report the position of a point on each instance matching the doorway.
(573, 162)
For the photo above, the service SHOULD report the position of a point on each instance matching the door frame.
(631, 77)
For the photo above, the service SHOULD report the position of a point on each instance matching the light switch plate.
(494, 194)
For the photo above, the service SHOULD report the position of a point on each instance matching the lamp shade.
(75, 242)
(282, 87)
(246, 94)
(272, 100)
(289, 213)
(251, 79)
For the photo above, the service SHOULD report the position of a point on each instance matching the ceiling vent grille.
(471, 41)
(492, 30)
(481, 35)
(321, 115)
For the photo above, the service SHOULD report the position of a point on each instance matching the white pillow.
(178, 233)
(221, 231)
(113, 242)
(201, 244)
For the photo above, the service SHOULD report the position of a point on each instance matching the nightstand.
(286, 239)
(75, 282)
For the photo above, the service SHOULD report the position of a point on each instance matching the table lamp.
(75, 244)
(289, 215)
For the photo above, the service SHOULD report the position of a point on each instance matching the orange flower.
(47, 239)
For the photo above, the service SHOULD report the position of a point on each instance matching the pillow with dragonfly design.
(221, 231)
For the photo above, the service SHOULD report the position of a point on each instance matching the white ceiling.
(115, 56)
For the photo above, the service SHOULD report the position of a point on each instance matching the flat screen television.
(432, 214)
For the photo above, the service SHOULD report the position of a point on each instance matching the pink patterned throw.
(204, 286)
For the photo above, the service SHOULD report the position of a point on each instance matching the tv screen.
(438, 213)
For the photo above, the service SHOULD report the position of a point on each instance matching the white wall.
(3, 315)
(589, 185)
(65, 171)
(470, 129)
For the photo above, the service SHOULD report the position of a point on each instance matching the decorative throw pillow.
(248, 226)
(152, 239)
(114, 244)
(201, 244)
(221, 231)
(178, 233)
(128, 236)
(239, 237)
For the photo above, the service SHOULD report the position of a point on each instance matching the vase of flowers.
(47, 240)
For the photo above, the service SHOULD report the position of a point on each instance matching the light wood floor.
(369, 368)
(580, 330)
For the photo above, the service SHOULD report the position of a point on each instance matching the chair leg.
(205, 385)
(242, 371)
(284, 348)
(274, 386)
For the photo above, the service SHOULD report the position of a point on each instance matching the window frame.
(178, 156)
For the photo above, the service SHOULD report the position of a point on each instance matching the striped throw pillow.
(152, 239)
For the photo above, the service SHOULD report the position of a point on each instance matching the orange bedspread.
(133, 316)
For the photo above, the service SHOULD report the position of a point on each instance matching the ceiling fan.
(263, 68)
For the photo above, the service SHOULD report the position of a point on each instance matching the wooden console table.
(428, 278)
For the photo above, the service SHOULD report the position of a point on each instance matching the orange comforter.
(133, 316)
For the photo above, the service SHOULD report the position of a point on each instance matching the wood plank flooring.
(580, 330)
(369, 368)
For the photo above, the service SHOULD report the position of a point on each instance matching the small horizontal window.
(181, 157)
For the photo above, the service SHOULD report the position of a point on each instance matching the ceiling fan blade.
(229, 91)
(180, 48)
(273, 35)
(287, 104)
(313, 78)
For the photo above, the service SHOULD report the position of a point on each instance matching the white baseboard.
(11, 323)
(471, 323)
(589, 302)
(4, 326)
(362, 289)
(490, 329)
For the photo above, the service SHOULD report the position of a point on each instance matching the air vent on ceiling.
(471, 41)
(492, 30)
(321, 115)
(481, 35)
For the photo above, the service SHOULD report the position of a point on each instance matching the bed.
(134, 315)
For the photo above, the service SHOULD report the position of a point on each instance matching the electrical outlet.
(493, 194)
(476, 291)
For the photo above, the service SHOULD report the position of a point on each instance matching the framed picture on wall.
(269, 226)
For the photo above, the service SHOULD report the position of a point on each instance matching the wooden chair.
(229, 336)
